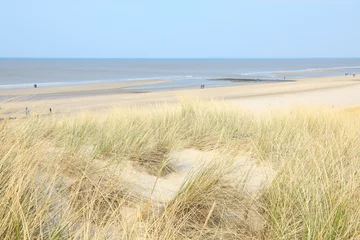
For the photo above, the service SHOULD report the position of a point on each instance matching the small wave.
(307, 70)
(256, 73)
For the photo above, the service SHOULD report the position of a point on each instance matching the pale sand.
(343, 91)
(255, 177)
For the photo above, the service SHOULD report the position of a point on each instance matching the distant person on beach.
(50, 111)
(27, 111)
(35, 85)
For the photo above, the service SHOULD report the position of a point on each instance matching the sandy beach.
(340, 92)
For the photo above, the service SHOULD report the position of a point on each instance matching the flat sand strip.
(343, 91)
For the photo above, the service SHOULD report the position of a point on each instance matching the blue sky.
(180, 29)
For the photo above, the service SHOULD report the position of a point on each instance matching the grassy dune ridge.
(63, 177)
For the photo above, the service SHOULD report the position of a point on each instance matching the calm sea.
(23, 73)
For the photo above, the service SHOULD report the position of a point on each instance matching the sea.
(183, 73)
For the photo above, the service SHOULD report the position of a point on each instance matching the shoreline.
(77, 88)
(113, 88)
(240, 77)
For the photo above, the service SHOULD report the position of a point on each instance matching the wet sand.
(341, 92)
(77, 88)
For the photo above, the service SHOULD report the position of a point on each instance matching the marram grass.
(61, 177)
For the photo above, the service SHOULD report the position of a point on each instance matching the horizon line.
(173, 58)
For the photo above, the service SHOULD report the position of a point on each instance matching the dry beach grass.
(190, 170)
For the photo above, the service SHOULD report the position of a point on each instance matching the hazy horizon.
(173, 58)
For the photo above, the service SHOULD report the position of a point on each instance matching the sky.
(179, 29)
